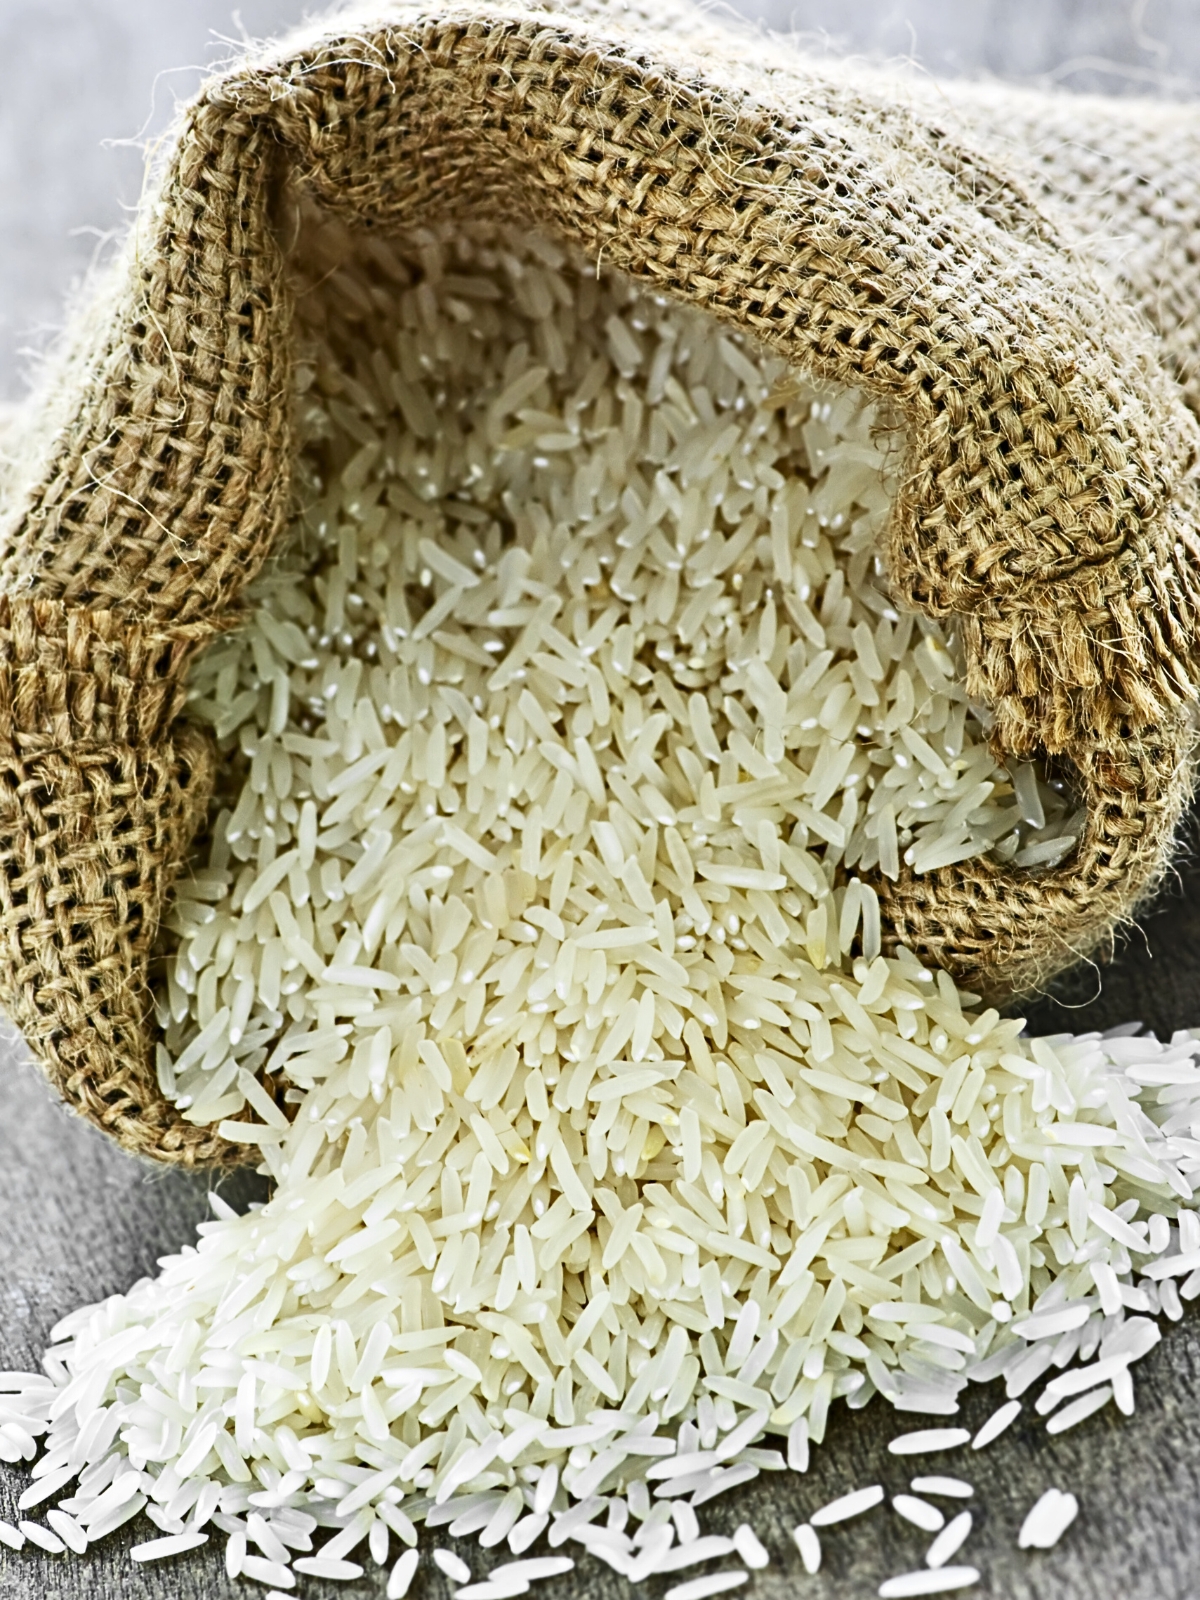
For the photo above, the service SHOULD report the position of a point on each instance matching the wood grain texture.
(79, 1220)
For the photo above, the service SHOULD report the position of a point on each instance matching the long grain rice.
(808, 1543)
(943, 1580)
(919, 1512)
(950, 1540)
(928, 1440)
(42, 1537)
(956, 1488)
(535, 932)
(702, 1588)
(173, 1545)
(401, 1575)
(847, 1506)
(1047, 1520)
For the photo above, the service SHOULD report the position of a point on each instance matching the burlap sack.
(869, 229)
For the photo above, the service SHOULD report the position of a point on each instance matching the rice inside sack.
(582, 629)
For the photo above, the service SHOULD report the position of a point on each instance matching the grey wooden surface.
(78, 1220)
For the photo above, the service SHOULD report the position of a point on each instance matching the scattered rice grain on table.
(608, 1150)
(808, 1543)
(921, 1513)
(945, 1580)
(956, 1488)
(1048, 1519)
(950, 1540)
(1003, 1417)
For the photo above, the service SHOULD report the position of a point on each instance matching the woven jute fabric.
(101, 791)
(1126, 173)
(872, 232)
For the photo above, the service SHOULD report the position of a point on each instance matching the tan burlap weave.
(872, 229)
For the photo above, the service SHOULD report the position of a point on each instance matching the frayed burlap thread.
(1048, 499)
(1125, 172)
(101, 791)
(1027, 927)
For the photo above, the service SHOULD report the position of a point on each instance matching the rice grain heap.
(609, 1149)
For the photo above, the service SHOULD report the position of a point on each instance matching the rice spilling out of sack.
(613, 1151)
(575, 695)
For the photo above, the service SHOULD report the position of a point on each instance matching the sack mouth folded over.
(1047, 501)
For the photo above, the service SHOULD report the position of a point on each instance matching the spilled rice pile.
(608, 1150)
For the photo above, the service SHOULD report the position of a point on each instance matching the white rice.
(534, 1570)
(402, 1575)
(493, 1591)
(608, 1151)
(956, 1488)
(927, 1440)
(1003, 1417)
(808, 1543)
(701, 1588)
(749, 1547)
(160, 1549)
(950, 1540)
(1079, 1410)
(919, 1512)
(1048, 1520)
(691, 1551)
(260, 1570)
(942, 1581)
(329, 1567)
(455, 1568)
(847, 1506)
(38, 1535)
(708, 538)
